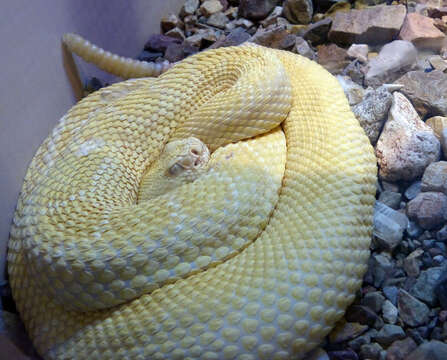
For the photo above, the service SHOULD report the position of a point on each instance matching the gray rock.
(442, 234)
(412, 311)
(426, 90)
(159, 43)
(375, 25)
(413, 190)
(170, 22)
(344, 331)
(355, 70)
(316, 33)
(361, 314)
(256, 9)
(412, 265)
(189, 7)
(435, 177)
(429, 209)
(298, 11)
(234, 38)
(218, 20)
(372, 111)
(373, 300)
(381, 268)
(277, 37)
(343, 355)
(353, 91)
(424, 288)
(302, 48)
(388, 334)
(176, 33)
(357, 342)
(441, 290)
(400, 349)
(405, 133)
(391, 293)
(389, 226)
(432, 350)
(210, 7)
(391, 199)
(389, 312)
(370, 351)
(394, 60)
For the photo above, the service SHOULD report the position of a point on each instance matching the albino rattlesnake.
(281, 219)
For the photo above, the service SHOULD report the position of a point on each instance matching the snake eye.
(175, 169)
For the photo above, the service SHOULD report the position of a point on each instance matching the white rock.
(359, 52)
(353, 91)
(389, 225)
(406, 145)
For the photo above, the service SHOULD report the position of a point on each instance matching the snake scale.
(257, 258)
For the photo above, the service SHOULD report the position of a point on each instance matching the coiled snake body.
(255, 259)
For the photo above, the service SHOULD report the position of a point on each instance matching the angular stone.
(412, 264)
(343, 355)
(218, 20)
(391, 199)
(441, 235)
(244, 23)
(441, 290)
(438, 63)
(391, 293)
(400, 349)
(359, 52)
(149, 56)
(170, 22)
(388, 334)
(273, 37)
(159, 43)
(412, 311)
(413, 190)
(344, 331)
(429, 209)
(234, 38)
(274, 15)
(376, 25)
(370, 351)
(405, 133)
(361, 314)
(432, 350)
(353, 91)
(394, 60)
(316, 33)
(373, 300)
(210, 7)
(421, 31)
(424, 288)
(427, 91)
(332, 58)
(298, 11)
(189, 7)
(372, 111)
(302, 48)
(438, 124)
(355, 70)
(389, 226)
(176, 33)
(382, 267)
(435, 177)
(389, 312)
(256, 9)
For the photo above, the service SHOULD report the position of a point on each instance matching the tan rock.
(210, 7)
(435, 177)
(332, 58)
(359, 52)
(438, 63)
(342, 6)
(170, 22)
(422, 32)
(298, 11)
(438, 124)
(406, 145)
(176, 33)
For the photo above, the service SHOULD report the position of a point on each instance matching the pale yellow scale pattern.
(256, 259)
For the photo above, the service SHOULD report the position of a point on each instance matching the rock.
(412, 264)
(332, 58)
(298, 11)
(429, 209)
(357, 342)
(174, 53)
(344, 331)
(274, 15)
(343, 355)
(413, 190)
(149, 56)
(372, 111)
(388, 334)
(176, 33)
(412, 311)
(382, 267)
(421, 31)
(189, 7)
(391, 199)
(256, 9)
(389, 312)
(170, 22)
(441, 290)
(355, 70)
(400, 349)
(353, 91)
(432, 350)
(316, 33)
(391, 293)
(424, 288)
(414, 230)
(435, 177)
(210, 7)
(359, 52)
(234, 38)
(277, 38)
(195, 40)
(438, 124)
(389, 226)
(318, 354)
(376, 25)
(302, 48)
(218, 20)
(373, 300)
(438, 63)
(339, 6)
(361, 314)
(159, 43)
(394, 60)
(427, 91)
(442, 234)
(405, 133)
(370, 351)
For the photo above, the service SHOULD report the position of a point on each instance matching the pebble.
(316, 33)
(404, 132)
(400, 349)
(389, 226)
(388, 334)
(394, 60)
(373, 300)
(428, 209)
(277, 37)
(424, 288)
(344, 331)
(274, 15)
(176, 33)
(234, 38)
(210, 7)
(381, 268)
(370, 351)
(435, 177)
(218, 20)
(362, 315)
(159, 43)
(442, 234)
(413, 190)
(438, 124)
(412, 311)
(343, 355)
(353, 91)
(359, 52)
(412, 265)
(389, 312)
(441, 290)
(432, 350)
(189, 7)
(170, 22)
(391, 199)
(422, 32)
(256, 9)
(333, 58)
(298, 11)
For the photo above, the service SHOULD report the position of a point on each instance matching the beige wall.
(34, 90)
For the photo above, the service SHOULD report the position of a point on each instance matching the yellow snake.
(255, 259)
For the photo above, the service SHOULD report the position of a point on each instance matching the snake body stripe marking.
(98, 275)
